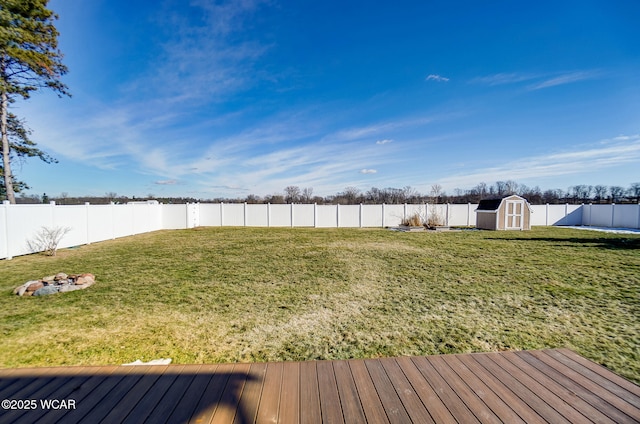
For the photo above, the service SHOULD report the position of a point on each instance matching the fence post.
(468, 214)
(52, 205)
(221, 214)
(338, 215)
(613, 214)
(446, 222)
(404, 212)
(113, 222)
(245, 214)
(360, 217)
(268, 214)
(426, 212)
(546, 215)
(86, 206)
(383, 215)
(291, 214)
(315, 215)
(6, 206)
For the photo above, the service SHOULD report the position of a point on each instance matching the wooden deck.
(548, 386)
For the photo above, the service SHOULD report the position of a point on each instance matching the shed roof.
(489, 204)
(494, 204)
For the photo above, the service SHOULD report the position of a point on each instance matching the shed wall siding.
(486, 220)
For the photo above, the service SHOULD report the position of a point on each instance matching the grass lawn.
(267, 294)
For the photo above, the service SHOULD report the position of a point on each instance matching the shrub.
(47, 240)
(414, 220)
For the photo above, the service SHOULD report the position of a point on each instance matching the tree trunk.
(6, 164)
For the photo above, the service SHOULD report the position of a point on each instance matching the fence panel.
(99, 222)
(146, 218)
(601, 215)
(327, 216)
(625, 216)
(303, 215)
(24, 222)
(233, 214)
(461, 215)
(257, 215)
(280, 215)
(348, 216)
(76, 219)
(122, 221)
(372, 215)
(539, 214)
(174, 217)
(393, 215)
(210, 214)
(573, 215)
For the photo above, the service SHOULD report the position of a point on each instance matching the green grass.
(249, 294)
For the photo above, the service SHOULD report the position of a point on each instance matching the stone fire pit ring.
(59, 283)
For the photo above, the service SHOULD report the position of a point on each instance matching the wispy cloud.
(437, 78)
(385, 141)
(368, 171)
(537, 81)
(567, 78)
(206, 55)
(505, 78)
(603, 155)
(166, 182)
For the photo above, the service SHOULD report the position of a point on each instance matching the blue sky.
(222, 99)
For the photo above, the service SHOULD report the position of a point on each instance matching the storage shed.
(508, 213)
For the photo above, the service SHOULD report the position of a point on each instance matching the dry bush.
(435, 218)
(414, 220)
(47, 240)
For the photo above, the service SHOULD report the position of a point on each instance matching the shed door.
(514, 216)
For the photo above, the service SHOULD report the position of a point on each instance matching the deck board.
(528, 396)
(351, 406)
(373, 411)
(309, 394)
(289, 406)
(608, 403)
(456, 406)
(543, 382)
(390, 400)
(547, 386)
(497, 405)
(411, 401)
(329, 397)
(476, 405)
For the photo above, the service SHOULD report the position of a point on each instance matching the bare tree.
(307, 194)
(292, 194)
(617, 193)
(350, 195)
(500, 188)
(600, 192)
(410, 194)
(481, 190)
(634, 191)
(252, 198)
(511, 187)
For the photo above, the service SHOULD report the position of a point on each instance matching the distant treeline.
(293, 194)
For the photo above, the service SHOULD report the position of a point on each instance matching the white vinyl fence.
(92, 223)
